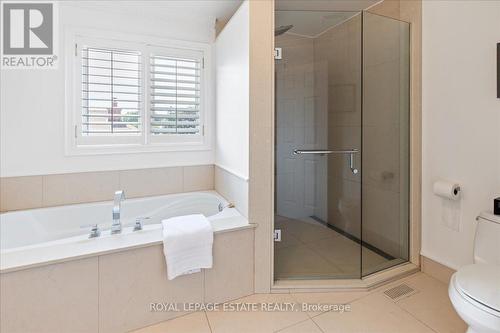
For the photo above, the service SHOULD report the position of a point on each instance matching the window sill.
(134, 149)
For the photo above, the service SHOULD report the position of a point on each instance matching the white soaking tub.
(48, 235)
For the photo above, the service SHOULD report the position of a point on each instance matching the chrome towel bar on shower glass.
(323, 152)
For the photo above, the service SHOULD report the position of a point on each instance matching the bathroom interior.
(250, 166)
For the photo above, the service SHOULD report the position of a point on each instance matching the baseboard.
(436, 270)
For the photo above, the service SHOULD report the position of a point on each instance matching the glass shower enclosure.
(341, 144)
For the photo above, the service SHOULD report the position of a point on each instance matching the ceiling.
(204, 12)
(313, 17)
(201, 10)
(327, 5)
(311, 23)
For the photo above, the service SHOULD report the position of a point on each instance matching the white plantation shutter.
(111, 92)
(131, 96)
(175, 96)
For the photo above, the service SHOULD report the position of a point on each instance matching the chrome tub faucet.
(116, 227)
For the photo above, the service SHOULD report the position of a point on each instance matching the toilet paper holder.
(447, 189)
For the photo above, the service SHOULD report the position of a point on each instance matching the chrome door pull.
(351, 164)
(323, 152)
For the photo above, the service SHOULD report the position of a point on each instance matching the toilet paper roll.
(447, 190)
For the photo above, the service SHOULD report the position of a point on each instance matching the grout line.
(208, 322)
(292, 325)
(317, 325)
(182, 179)
(417, 319)
(98, 294)
(43, 191)
(297, 301)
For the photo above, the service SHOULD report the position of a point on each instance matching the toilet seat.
(479, 317)
(480, 285)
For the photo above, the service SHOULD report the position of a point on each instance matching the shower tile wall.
(385, 135)
(299, 183)
(337, 54)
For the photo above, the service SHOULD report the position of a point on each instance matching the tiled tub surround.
(28, 192)
(112, 292)
(233, 187)
(106, 284)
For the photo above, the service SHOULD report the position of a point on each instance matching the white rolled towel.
(187, 244)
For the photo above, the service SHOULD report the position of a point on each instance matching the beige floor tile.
(327, 244)
(333, 298)
(301, 261)
(371, 314)
(192, 323)
(341, 252)
(307, 326)
(287, 239)
(256, 321)
(431, 305)
(305, 231)
(373, 262)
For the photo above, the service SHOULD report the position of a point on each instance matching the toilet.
(475, 289)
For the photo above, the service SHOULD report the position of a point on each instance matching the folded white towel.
(187, 244)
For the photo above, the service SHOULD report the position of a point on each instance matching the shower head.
(282, 29)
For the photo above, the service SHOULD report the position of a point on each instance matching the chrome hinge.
(203, 130)
(203, 62)
(277, 235)
(76, 131)
(278, 53)
(76, 49)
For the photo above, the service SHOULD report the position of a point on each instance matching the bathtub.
(49, 235)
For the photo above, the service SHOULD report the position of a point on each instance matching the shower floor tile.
(309, 249)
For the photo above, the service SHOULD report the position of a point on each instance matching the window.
(175, 95)
(111, 92)
(130, 96)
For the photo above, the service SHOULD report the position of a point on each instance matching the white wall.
(461, 119)
(232, 94)
(32, 102)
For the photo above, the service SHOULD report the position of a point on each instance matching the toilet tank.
(487, 240)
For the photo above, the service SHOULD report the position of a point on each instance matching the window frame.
(176, 138)
(77, 144)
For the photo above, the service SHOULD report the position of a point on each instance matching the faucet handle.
(138, 222)
(94, 229)
(120, 195)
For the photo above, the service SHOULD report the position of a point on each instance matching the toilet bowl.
(474, 289)
(475, 293)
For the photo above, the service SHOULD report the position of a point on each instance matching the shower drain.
(398, 292)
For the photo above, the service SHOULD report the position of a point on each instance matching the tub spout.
(116, 227)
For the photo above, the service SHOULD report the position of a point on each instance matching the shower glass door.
(386, 142)
(341, 101)
(318, 145)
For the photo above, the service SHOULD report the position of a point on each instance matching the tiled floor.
(427, 310)
(309, 249)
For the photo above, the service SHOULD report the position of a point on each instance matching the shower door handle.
(323, 152)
